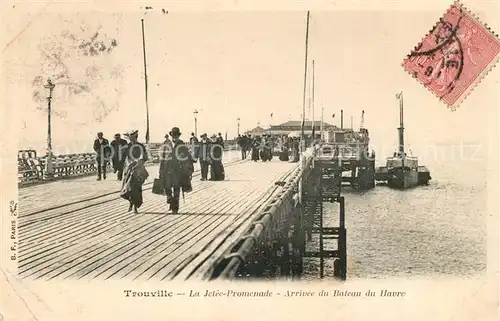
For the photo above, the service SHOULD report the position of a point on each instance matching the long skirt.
(294, 155)
(265, 154)
(284, 155)
(133, 180)
(255, 154)
(217, 171)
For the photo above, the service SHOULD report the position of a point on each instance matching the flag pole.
(145, 82)
(271, 126)
(401, 128)
(321, 125)
(313, 125)
(302, 142)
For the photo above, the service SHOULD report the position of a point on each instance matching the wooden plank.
(225, 240)
(72, 210)
(105, 241)
(37, 235)
(87, 238)
(39, 198)
(125, 262)
(203, 233)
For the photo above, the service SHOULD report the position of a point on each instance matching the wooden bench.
(28, 170)
(73, 165)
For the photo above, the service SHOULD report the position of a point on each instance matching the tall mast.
(321, 125)
(401, 128)
(302, 143)
(145, 81)
(313, 131)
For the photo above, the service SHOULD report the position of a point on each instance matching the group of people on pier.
(177, 160)
(262, 147)
(209, 152)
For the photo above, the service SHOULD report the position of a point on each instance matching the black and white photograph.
(164, 145)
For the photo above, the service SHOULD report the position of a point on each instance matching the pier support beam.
(324, 186)
(340, 264)
(298, 242)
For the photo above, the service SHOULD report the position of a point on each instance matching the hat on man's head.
(203, 135)
(213, 136)
(99, 134)
(175, 131)
(117, 135)
(167, 136)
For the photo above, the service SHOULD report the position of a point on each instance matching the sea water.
(429, 231)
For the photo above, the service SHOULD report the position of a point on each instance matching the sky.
(230, 65)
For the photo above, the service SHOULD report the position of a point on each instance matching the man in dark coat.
(118, 155)
(220, 140)
(176, 169)
(249, 142)
(193, 142)
(242, 143)
(239, 142)
(103, 151)
(204, 156)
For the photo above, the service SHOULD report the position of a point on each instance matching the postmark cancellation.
(454, 56)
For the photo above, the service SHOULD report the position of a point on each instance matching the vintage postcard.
(250, 160)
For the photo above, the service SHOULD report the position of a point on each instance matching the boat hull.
(402, 178)
(424, 176)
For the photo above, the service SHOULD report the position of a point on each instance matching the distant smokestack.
(342, 119)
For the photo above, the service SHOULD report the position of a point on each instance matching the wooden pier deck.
(80, 228)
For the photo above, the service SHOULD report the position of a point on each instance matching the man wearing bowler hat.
(176, 170)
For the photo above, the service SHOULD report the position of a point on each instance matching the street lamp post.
(195, 112)
(238, 132)
(49, 168)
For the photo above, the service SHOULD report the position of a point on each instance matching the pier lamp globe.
(49, 168)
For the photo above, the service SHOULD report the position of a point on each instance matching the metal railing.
(273, 244)
(31, 168)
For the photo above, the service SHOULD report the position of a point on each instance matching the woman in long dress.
(255, 149)
(217, 169)
(135, 172)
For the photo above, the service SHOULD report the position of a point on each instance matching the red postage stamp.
(454, 55)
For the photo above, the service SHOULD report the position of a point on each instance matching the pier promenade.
(80, 228)
(254, 224)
